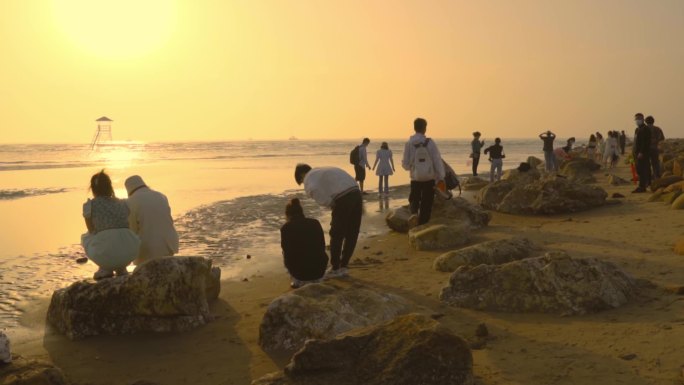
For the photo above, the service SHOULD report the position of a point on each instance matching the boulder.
(670, 197)
(409, 350)
(397, 219)
(23, 371)
(491, 195)
(678, 203)
(474, 183)
(517, 176)
(439, 236)
(162, 295)
(615, 180)
(665, 182)
(534, 161)
(554, 283)
(678, 186)
(323, 311)
(580, 170)
(489, 253)
(657, 196)
(443, 211)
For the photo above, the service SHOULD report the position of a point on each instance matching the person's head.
(133, 184)
(592, 138)
(101, 185)
(623, 132)
(649, 120)
(300, 172)
(639, 119)
(366, 141)
(598, 135)
(497, 140)
(476, 134)
(384, 146)
(420, 125)
(571, 139)
(548, 132)
(293, 209)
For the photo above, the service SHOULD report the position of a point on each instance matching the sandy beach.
(638, 343)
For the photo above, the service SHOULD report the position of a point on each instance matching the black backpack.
(450, 178)
(354, 156)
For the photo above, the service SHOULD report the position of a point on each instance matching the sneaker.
(121, 272)
(296, 284)
(412, 221)
(332, 273)
(639, 190)
(102, 274)
(343, 272)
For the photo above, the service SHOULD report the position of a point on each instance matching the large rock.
(24, 371)
(455, 210)
(323, 311)
(162, 295)
(397, 219)
(534, 162)
(551, 195)
(517, 176)
(489, 253)
(439, 236)
(665, 182)
(554, 283)
(580, 170)
(410, 350)
(474, 183)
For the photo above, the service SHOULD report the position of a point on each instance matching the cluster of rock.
(473, 183)
(408, 350)
(489, 253)
(672, 154)
(579, 170)
(553, 283)
(668, 189)
(162, 295)
(23, 371)
(323, 311)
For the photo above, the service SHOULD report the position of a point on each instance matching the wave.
(26, 193)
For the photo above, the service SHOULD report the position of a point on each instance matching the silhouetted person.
(476, 148)
(656, 137)
(385, 164)
(549, 158)
(641, 152)
(360, 168)
(623, 142)
(496, 156)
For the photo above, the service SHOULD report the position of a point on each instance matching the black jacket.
(642, 140)
(495, 151)
(303, 246)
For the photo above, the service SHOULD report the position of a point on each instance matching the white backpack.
(421, 168)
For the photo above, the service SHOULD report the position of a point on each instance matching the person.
(109, 243)
(641, 153)
(601, 147)
(591, 147)
(568, 145)
(150, 218)
(426, 169)
(496, 156)
(476, 147)
(656, 137)
(610, 152)
(360, 168)
(549, 158)
(623, 142)
(334, 188)
(385, 164)
(303, 245)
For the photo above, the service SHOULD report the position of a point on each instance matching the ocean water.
(227, 198)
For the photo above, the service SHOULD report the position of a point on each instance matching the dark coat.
(303, 245)
(642, 140)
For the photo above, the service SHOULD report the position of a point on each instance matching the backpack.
(450, 178)
(421, 168)
(354, 156)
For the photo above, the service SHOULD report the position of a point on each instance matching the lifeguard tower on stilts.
(103, 133)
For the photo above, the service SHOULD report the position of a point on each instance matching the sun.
(116, 28)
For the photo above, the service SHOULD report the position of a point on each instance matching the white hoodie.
(410, 152)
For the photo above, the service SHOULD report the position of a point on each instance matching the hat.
(133, 183)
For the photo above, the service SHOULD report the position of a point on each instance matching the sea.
(227, 199)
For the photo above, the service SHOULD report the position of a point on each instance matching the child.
(385, 163)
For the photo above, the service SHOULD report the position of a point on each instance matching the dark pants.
(344, 228)
(655, 162)
(476, 161)
(643, 167)
(420, 199)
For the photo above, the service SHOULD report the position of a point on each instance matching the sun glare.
(116, 28)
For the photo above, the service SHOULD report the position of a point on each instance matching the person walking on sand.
(656, 137)
(303, 245)
(601, 147)
(549, 157)
(610, 152)
(496, 156)
(385, 165)
(334, 188)
(109, 243)
(623, 142)
(641, 152)
(150, 218)
(476, 147)
(591, 147)
(360, 167)
(424, 163)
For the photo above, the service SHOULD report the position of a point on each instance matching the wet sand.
(524, 349)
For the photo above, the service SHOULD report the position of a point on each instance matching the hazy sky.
(168, 70)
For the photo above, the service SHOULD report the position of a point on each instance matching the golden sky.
(167, 70)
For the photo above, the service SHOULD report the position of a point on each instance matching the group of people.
(495, 152)
(383, 165)
(121, 231)
(606, 152)
(646, 150)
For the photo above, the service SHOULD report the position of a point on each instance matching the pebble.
(245, 279)
(249, 256)
(482, 330)
(628, 357)
(82, 260)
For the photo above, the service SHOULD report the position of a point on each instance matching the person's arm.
(405, 160)
(89, 224)
(541, 136)
(392, 161)
(377, 159)
(486, 150)
(87, 215)
(365, 158)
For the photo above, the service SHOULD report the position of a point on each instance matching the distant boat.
(293, 138)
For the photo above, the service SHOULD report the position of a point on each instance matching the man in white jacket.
(425, 172)
(150, 218)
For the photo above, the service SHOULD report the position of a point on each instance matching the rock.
(679, 247)
(678, 186)
(628, 357)
(615, 180)
(517, 176)
(481, 330)
(489, 253)
(474, 183)
(161, 295)
(678, 167)
(554, 283)
(24, 371)
(397, 219)
(409, 350)
(5, 352)
(665, 181)
(491, 195)
(617, 195)
(678, 203)
(82, 260)
(534, 161)
(656, 196)
(439, 236)
(670, 197)
(323, 311)
(580, 170)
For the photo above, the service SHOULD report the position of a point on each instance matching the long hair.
(294, 209)
(101, 185)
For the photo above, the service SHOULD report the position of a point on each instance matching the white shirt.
(410, 153)
(150, 218)
(324, 184)
(363, 156)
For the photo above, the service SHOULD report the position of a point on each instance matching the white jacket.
(324, 184)
(150, 218)
(410, 153)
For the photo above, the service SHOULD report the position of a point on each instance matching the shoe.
(639, 190)
(102, 274)
(296, 284)
(412, 221)
(332, 273)
(121, 272)
(343, 272)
